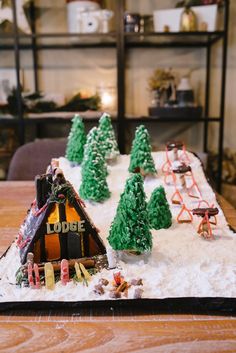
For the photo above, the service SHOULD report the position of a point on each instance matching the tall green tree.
(107, 137)
(94, 136)
(76, 140)
(93, 172)
(130, 227)
(159, 213)
(141, 157)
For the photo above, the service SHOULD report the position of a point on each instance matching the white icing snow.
(181, 264)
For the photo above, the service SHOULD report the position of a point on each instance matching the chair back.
(34, 157)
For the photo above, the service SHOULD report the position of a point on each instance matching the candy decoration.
(78, 272)
(204, 228)
(185, 216)
(33, 276)
(37, 278)
(64, 272)
(166, 167)
(85, 273)
(184, 156)
(49, 276)
(117, 278)
(193, 190)
(111, 257)
(206, 213)
(30, 275)
(177, 198)
(170, 178)
(175, 146)
(203, 202)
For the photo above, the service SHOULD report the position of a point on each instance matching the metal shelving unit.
(122, 42)
(206, 40)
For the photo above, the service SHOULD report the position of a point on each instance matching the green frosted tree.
(76, 140)
(130, 227)
(107, 137)
(91, 137)
(93, 172)
(94, 136)
(141, 157)
(159, 213)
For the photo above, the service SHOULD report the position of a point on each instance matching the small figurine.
(117, 278)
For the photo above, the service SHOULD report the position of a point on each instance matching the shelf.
(8, 120)
(146, 119)
(56, 117)
(108, 40)
(56, 120)
(172, 39)
(60, 41)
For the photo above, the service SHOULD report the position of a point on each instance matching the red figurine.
(117, 278)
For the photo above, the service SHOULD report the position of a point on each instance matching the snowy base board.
(183, 272)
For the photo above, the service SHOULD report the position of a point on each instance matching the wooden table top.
(112, 329)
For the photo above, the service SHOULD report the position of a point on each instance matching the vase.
(156, 98)
(188, 20)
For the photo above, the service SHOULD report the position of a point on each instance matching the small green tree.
(94, 136)
(159, 213)
(93, 171)
(141, 157)
(76, 140)
(107, 138)
(130, 227)
(91, 137)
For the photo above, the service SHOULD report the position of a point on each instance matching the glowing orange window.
(52, 246)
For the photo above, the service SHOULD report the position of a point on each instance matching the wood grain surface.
(109, 329)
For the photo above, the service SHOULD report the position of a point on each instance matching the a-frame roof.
(34, 224)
